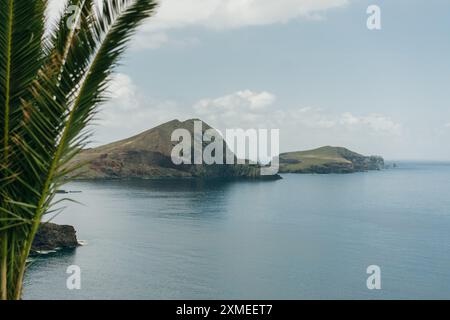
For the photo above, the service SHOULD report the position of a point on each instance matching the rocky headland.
(148, 155)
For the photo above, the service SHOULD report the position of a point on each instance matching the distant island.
(328, 160)
(148, 156)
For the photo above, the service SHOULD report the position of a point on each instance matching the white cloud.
(226, 14)
(221, 14)
(129, 111)
(240, 101)
(218, 14)
(123, 93)
(241, 109)
(255, 109)
(303, 127)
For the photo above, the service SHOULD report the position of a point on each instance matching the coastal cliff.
(328, 160)
(148, 155)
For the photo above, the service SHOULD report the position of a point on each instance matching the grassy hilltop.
(328, 160)
(148, 155)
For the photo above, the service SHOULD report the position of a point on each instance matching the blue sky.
(310, 68)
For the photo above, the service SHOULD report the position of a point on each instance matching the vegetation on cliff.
(148, 155)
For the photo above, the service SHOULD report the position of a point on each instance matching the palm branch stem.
(8, 79)
(40, 210)
(4, 249)
(4, 267)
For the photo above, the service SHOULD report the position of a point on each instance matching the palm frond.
(21, 31)
(50, 90)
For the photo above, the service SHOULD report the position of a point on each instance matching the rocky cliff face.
(51, 236)
(148, 155)
(328, 160)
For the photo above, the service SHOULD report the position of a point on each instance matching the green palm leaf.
(50, 88)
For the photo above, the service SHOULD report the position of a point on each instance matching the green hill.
(148, 155)
(328, 160)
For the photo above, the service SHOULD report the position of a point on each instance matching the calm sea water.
(303, 237)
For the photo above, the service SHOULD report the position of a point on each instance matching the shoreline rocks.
(51, 236)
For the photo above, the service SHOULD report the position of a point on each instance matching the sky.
(310, 68)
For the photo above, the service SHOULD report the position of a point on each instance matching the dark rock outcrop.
(51, 236)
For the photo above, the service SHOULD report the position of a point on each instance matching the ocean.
(302, 237)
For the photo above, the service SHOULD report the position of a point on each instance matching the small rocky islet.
(51, 236)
